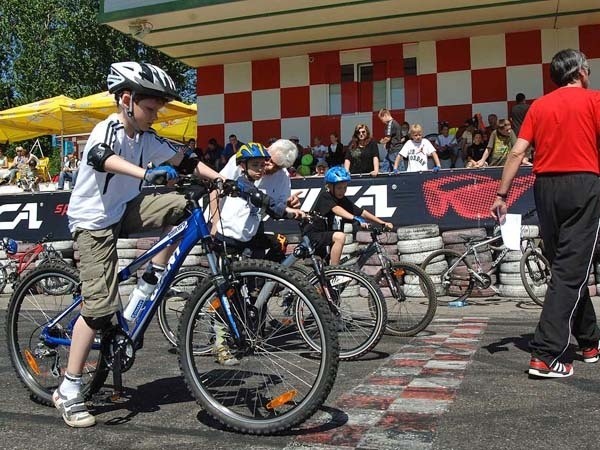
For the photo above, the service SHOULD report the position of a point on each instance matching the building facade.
(425, 82)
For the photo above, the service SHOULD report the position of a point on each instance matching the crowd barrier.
(452, 199)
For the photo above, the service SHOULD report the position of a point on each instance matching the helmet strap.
(128, 109)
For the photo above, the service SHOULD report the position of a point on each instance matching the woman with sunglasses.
(363, 154)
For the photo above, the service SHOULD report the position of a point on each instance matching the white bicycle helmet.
(141, 78)
(283, 153)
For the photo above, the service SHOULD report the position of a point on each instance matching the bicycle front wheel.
(171, 306)
(358, 309)
(452, 281)
(3, 278)
(410, 298)
(277, 380)
(39, 361)
(535, 274)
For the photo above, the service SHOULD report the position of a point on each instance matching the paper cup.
(511, 231)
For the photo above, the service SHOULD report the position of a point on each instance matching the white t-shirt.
(239, 218)
(99, 198)
(319, 152)
(417, 154)
(449, 140)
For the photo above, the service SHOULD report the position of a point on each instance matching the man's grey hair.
(565, 66)
(283, 153)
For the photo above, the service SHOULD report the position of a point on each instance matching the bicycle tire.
(413, 307)
(29, 309)
(455, 286)
(535, 272)
(171, 306)
(256, 397)
(3, 278)
(360, 319)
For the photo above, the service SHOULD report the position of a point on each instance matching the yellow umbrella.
(48, 116)
(181, 130)
(64, 115)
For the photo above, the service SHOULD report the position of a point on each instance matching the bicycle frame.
(472, 249)
(23, 261)
(188, 233)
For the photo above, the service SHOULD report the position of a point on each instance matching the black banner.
(458, 198)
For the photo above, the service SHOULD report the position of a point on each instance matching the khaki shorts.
(98, 248)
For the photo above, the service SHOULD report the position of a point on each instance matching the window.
(374, 90)
(410, 66)
(335, 99)
(397, 93)
(347, 73)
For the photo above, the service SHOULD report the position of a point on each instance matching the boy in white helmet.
(106, 202)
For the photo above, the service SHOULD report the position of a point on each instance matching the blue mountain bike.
(281, 379)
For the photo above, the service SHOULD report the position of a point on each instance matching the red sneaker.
(539, 368)
(590, 354)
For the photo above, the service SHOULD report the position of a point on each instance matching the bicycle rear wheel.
(280, 380)
(452, 281)
(535, 274)
(358, 308)
(171, 306)
(410, 298)
(39, 364)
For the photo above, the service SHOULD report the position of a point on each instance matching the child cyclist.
(238, 222)
(106, 203)
(334, 205)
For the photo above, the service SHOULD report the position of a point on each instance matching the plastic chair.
(43, 170)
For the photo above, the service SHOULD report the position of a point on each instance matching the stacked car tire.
(415, 243)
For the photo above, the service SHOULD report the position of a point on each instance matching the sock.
(71, 386)
(158, 270)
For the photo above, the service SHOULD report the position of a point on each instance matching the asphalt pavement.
(461, 384)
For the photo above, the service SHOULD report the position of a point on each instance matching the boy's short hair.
(322, 163)
(415, 128)
(384, 112)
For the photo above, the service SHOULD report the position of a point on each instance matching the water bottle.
(138, 296)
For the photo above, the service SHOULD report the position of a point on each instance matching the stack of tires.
(66, 249)
(349, 247)
(415, 244)
(509, 273)
(127, 251)
(388, 241)
(456, 240)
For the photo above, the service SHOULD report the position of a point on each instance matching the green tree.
(53, 47)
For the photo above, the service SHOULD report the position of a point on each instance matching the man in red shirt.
(564, 125)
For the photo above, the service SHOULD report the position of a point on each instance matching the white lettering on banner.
(27, 211)
(379, 194)
(375, 195)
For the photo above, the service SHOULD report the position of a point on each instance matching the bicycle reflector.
(282, 399)
(31, 362)
(399, 272)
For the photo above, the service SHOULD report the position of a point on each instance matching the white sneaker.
(224, 356)
(74, 412)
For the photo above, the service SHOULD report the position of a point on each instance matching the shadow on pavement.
(146, 398)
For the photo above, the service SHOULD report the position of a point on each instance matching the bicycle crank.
(482, 280)
(116, 342)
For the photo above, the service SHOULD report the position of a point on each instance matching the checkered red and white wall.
(456, 78)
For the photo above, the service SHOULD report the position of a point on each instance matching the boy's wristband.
(502, 196)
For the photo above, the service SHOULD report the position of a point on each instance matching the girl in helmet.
(336, 208)
(106, 203)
